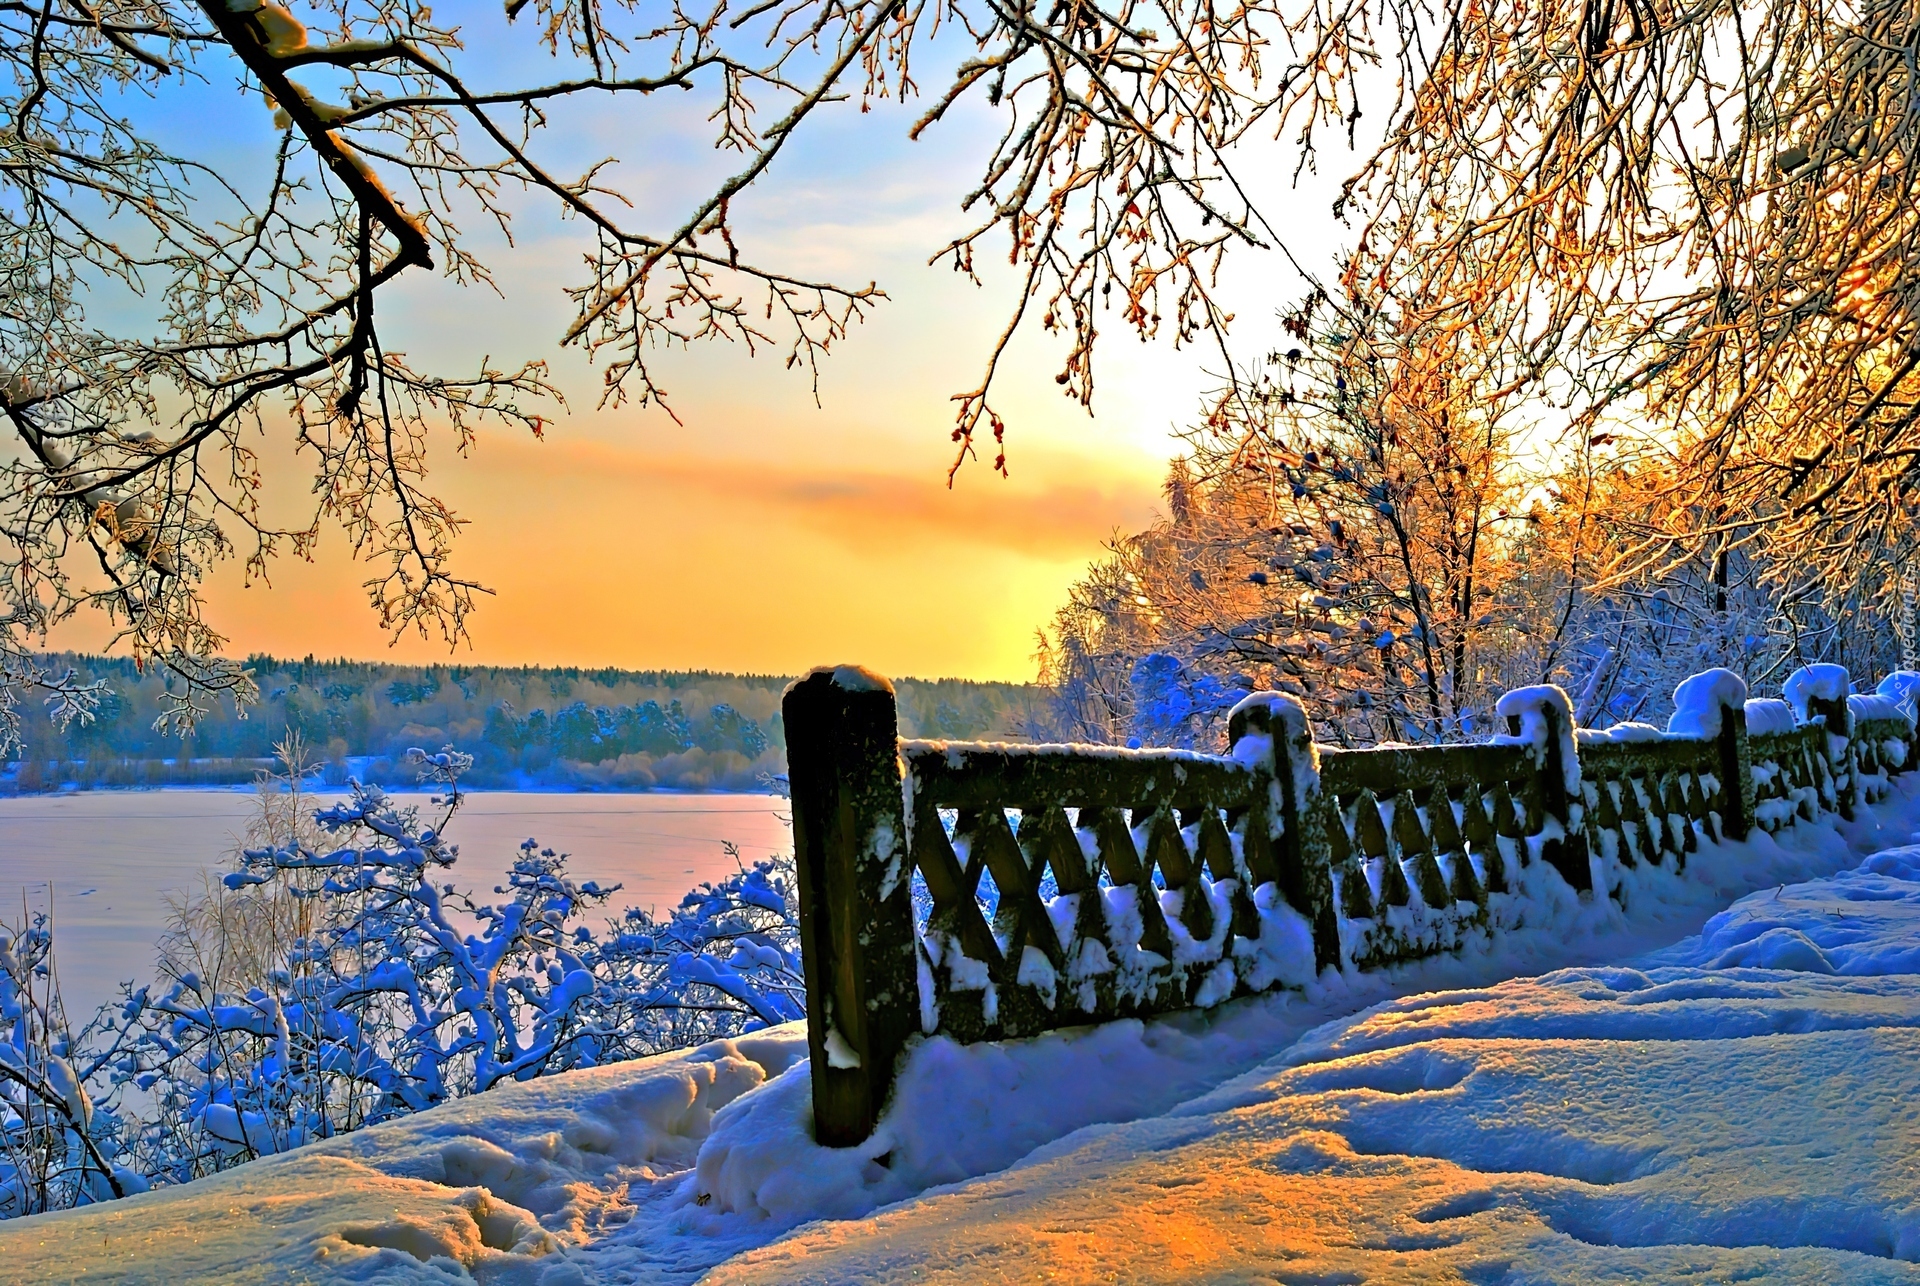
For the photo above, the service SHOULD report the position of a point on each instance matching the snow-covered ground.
(1737, 1104)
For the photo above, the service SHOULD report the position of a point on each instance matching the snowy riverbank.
(1731, 1103)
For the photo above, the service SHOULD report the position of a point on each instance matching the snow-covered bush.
(57, 1148)
(327, 986)
(725, 962)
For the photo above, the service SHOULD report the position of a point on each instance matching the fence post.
(1820, 692)
(856, 910)
(1566, 853)
(1302, 854)
(1712, 706)
(1736, 773)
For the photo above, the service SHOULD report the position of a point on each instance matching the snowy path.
(1737, 1105)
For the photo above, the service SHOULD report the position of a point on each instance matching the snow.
(1619, 732)
(1731, 1105)
(1680, 1117)
(1860, 923)
(856, 678)
(495, 1187)
(839, 1052)
(1876, 706)
(1819, 682)
(883, 846)
(1283, 953)
(1700, 698)
(1902, 685)
(1530, 706)
(1769, 716)
(955, 752)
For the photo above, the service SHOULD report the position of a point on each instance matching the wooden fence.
(984, 891)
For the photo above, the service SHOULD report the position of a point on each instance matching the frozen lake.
(101, 860)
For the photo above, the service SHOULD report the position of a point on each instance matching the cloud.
(1057, 506)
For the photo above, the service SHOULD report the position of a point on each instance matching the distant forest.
(525, 727)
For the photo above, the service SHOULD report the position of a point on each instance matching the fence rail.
(984, 891)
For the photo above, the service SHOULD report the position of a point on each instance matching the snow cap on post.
(1544, 715)
(1701, 701)
(1819, 692)
(1812, 687)
(1256, 719)
(855, 678)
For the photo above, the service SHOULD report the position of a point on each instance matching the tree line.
(524, 726)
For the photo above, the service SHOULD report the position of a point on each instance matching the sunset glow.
(605, 553)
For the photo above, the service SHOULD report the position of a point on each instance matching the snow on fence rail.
(987, 891)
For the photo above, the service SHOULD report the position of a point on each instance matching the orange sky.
(607, 553)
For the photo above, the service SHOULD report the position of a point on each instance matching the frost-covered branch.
(336, 978)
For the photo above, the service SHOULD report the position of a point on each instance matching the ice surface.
(1735, 1105)
(136, 845)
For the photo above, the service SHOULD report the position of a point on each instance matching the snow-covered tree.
(1700, 228)
(58, 1147)
(1342, 528)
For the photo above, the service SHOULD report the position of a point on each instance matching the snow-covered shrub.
(404, 993)
(324, 986)
(57, 1148)
(726, 961)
